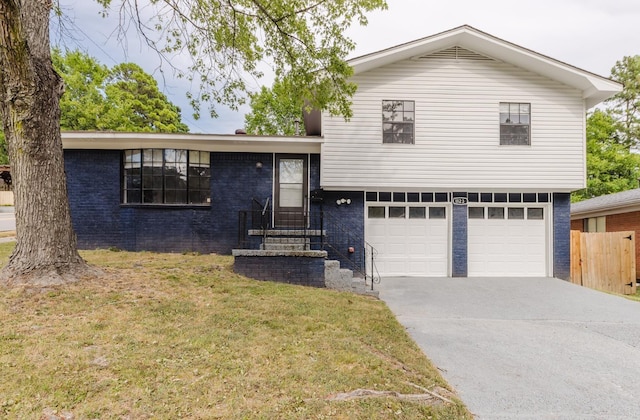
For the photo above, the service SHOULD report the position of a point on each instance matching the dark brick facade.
(345, 227)
(101, 221)
(305, 271)
(562, 235)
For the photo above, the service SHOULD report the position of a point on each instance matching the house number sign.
(459, 201)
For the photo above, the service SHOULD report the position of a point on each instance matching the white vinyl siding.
(457, 130)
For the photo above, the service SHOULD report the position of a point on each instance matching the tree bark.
(46, 249)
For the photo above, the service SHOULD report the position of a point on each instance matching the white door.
(410, 240)
(507, 241)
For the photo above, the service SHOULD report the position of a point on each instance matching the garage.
(507, 240)
(410, 239)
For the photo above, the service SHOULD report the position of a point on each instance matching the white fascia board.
(204, 142)
(626, 208)
(595, 88)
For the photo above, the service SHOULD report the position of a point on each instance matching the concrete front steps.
(286, 256)
(342, 279)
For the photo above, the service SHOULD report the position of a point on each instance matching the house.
(459, 160)
(609, 213)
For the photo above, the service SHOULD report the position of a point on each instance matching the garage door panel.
(416, 246)
(507, 247)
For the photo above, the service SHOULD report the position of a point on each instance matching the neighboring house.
(609, 213)
(459, 160)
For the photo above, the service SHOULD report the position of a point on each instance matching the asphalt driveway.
(526, 348)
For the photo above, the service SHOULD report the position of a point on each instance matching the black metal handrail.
(320, 230)
(338, 243)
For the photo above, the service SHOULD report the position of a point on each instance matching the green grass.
(168, 336)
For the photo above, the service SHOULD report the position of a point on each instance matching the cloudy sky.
(590, 34)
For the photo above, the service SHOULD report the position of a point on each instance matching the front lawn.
(168, 336)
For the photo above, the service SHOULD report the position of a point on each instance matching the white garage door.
(411, 240)
(507, 241)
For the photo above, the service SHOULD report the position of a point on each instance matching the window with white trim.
(166, 176)
(515, 124)
(398, 118)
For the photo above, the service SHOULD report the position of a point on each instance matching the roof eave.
(595, 88)
(205, 142)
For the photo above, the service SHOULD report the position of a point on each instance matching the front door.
(290, 190)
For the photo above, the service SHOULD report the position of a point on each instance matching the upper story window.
(398, 119)
(515, 122)
(166, 176)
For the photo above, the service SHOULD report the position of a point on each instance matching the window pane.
(413, 197)
(496, 212)
(473, 197)
(133, 196)
(147, 155)
(291, 171)
(205, 159)
(514, 135)
(504, 108)
(372, 196)
(427, 197)
(514, 109)
(398, 119)
(515, 197)
(399, 197)
(417, 213)
(194, 157)
(486, 197)
(384, 196)
(535, 213)
(397, 212)
(543, 197)
(500, 197)
(170, 155)
(442, 197)
(290, 195)
(529, 197)
(525, 108)
(157, 157)
(476, 212)
(437, 213)
(376, 212)
(516, 213)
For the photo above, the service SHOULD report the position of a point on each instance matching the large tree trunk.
(46, 249)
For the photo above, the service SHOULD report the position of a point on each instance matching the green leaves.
(123, 98)
(611, 167)
(274, 111)
(626, 104)
(230, 42)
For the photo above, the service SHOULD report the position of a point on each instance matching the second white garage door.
(507, 241)
(410, 240)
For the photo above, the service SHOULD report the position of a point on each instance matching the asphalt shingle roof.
(605, 202)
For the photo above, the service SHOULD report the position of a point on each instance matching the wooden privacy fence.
(604, 261)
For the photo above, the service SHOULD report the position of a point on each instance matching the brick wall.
(305, 271)
(351, 218)
(562, 235)
(235, 181)
(101, 221)
(577, 225)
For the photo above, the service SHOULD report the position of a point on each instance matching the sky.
(589, 34)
